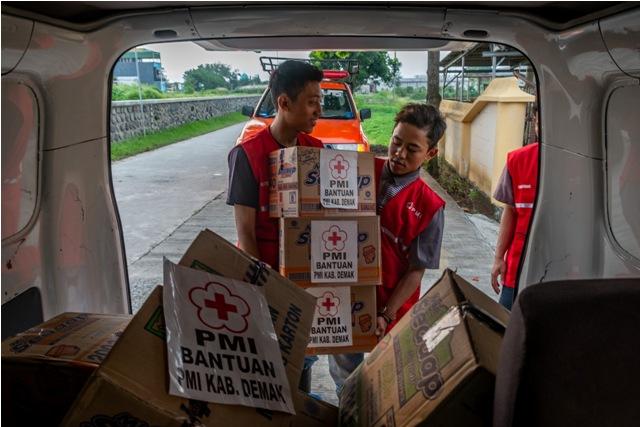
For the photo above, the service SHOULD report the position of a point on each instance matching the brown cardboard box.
(436, 366)
(295, 250)
(291, 308)
(130, 387)
(311, 412)
(45, 367)
(295, 185)
(363, 323)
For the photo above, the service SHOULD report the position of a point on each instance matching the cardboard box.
(311, 412)
(295, 185)
(45, 367)
(291, 308)
(130, 387)
(363, 323)
(437, 366)
(295, 250)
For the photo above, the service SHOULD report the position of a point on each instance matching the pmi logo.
(304, 238)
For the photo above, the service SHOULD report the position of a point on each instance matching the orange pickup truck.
(339, 126)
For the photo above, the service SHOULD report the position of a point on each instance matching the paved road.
(159, 190)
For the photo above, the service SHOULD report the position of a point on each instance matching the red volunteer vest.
(402, 219)
(522, 165)
(257, 149)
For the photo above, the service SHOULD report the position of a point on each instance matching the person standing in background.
(517, 190)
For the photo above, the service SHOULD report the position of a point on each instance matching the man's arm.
(243, 195)
(504, 194)
(505, 236)
(246, 226)
(405, 288)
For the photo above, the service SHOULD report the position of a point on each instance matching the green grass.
(124, 92)
(384, 107)
(133, 146)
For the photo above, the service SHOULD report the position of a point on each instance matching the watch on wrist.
(384, 313)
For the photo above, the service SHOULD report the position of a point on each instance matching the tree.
(244, 79)
(433, 98)
(210, 76)
(433, 79)
(376, 65)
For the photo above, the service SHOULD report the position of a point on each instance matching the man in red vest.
(411, 221)
(295, 91)
(517, 190)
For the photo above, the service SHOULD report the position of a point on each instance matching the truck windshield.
(335, 105)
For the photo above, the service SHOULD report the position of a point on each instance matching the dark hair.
(290, 78)
(425, 117)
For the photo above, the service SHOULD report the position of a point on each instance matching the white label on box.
(339, 179)
(334, 251)
(331, 325)
(220, 340)
(443, 327)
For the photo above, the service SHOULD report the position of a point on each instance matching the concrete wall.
(483, 145)
(480, 134)
(128, 121)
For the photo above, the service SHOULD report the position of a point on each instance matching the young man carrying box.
(411, 221)
(295, 91)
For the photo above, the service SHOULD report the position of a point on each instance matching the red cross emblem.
(220, 305)
(219, 308)
(339, 167)
(328, 304)
(334, 238)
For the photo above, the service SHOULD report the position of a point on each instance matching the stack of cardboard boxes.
(330, 241)
(436, 367)
(131, 385)
(67, 365)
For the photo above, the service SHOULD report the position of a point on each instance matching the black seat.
(571, 356)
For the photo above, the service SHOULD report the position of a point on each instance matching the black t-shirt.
(243, 187)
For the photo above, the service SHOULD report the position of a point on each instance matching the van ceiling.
(551, 14)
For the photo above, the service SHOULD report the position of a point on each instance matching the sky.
(180, 57)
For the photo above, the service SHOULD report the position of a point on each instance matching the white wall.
(482, 144)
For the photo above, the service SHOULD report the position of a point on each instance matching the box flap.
(291, 307)
(480, 302)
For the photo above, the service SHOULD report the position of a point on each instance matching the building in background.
(141, 65)
(416, 82)
(465, 74)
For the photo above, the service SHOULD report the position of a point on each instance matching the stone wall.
(128, 121)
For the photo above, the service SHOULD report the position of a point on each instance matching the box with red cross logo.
(131, 387)
(295, 186)
(296, 256)
(330, 324)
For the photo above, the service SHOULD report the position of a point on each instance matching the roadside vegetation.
(133, 146)
(468, 196)
(384, 105)
(125, 92)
